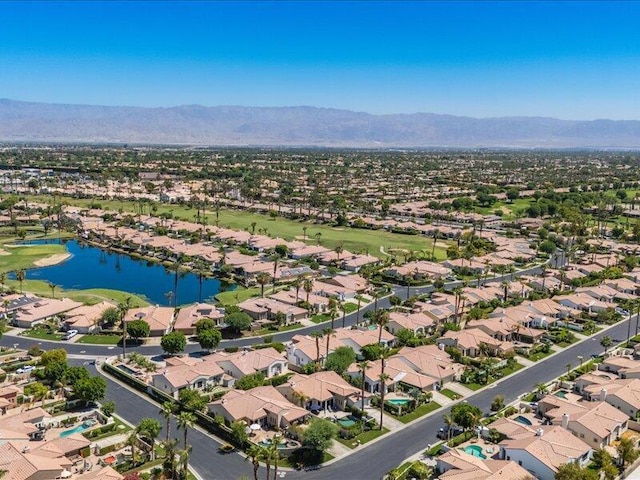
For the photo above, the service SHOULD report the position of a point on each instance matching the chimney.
(565, 420)
(603, 395)
(539, 432)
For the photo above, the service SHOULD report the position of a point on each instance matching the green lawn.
(41, 334)
(363, 437)
(89, 296)
(99, 339)
(450, 393)
(539, 355)
(474, 386)
(350, 307)
(352, 239)
(509, 370)
(324, 317)
(23, 257)
(239, 295)
(419, 412)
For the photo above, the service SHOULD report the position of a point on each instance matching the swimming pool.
(523, 420)
(347, 422)
(561, 394)
(79, 429)
(475, 450)
(399, 401)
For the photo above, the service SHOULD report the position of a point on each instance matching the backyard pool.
(281, 445)
(475, 450)
(79, 429)
(399, 401)
(523, 420)
(347, 422)
(128, 370)
(561, 394)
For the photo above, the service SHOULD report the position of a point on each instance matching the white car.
(26, 369)
(70, 334)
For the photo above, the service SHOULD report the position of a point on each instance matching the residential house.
(321, 391)
(190, 315)
(595, 423)
(197, 374)
(624, 394)
(264, 406)
(418, 323)
(583, 302)
(42, 310)
(401, 376)
(87, 318)
(456, 464)
(470, 341)
(269, 309)
(159, 319)
(267, 361)
(543, 451)
(19, 464)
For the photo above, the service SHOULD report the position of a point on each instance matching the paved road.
(205, 458)
(374, 460)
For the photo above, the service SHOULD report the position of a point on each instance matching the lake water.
(92, 267)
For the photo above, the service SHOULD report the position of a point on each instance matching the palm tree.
(169, 464)
(304, 230)
(457, 292)
(449, 422)
(21, 275)
(318, 237)
(167, 411)
(3, 279)
(297, 284)
(53, 287)
(274, 453)
(185, 421)
(344, 313)
(256, 454)
(123, 308)
(384, 354)
(381, 318)
(328, 333)
(363, 366)
(307, 285)
(177, 273)
(606, 342)
(132, 441)
(339, 249)
(262, 278)
(317, 335)
(201, 271)
(183, 461)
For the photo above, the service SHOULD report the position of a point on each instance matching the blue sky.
(574, 60)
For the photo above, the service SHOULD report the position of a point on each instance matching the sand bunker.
(52, 260)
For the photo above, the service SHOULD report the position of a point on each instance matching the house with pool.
(542, 450)
(264, 406)
(459, 465)
(322, 391)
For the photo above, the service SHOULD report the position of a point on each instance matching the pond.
(93, 267)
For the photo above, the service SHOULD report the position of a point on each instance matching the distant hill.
(299, 126)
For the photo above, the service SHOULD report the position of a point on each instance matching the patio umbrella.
(66, 474)
(255, 426)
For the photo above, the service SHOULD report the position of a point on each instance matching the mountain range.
(299, 126)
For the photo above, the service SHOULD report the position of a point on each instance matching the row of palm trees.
(269, 455)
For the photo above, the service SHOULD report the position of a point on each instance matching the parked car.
(70, 334)
(443, 433)
(26, 369)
